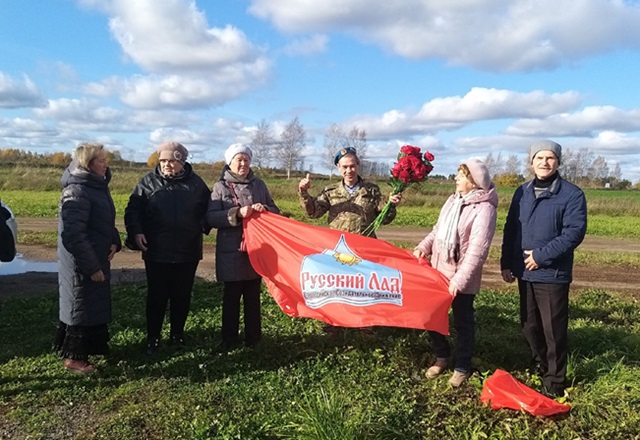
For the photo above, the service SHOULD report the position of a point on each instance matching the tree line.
(58, 159)
(581, 167)
(284, 151)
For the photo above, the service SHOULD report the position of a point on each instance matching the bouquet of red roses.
(412, 167)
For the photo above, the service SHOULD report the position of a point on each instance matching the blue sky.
(460, 78)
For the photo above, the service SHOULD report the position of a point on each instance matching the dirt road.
(128, 266)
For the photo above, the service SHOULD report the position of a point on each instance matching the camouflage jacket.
(351, 213)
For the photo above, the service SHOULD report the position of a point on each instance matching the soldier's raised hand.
(305, 183)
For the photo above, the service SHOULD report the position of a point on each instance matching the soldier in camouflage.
(353, 204)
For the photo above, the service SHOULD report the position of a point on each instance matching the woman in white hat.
(236, 196)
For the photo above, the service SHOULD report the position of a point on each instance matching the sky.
(460, 78)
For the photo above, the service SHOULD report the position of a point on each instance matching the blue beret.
(340, 154)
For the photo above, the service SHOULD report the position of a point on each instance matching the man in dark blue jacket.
(547, 220)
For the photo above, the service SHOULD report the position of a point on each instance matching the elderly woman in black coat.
(235, 196)
(165, 219)
(87, 241)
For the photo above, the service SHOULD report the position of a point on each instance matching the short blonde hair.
(85, 153)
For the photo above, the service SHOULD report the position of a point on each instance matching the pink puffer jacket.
(475, 231)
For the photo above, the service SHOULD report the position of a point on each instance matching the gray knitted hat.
(545, 145)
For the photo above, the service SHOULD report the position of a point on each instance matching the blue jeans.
(463, 320)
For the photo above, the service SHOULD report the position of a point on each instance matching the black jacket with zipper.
(170, 213)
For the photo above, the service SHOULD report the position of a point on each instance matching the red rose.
(419, 172)
(429, 168)
(403, 163)
(406, 149)
(410, 150)
(404, 176)
(414, 162)
(428, 156)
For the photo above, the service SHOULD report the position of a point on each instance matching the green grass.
(302, 384)
(611, 213)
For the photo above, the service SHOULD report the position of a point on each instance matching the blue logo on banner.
(340, 276)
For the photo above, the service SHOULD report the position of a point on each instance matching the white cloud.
(163, 118)
(205, 142)
(33, 135)
(500, 35)
(479, 104)
(81, 113)
(188, 64)
(23, 127)
(173, 36)
(585, 122)
(183, 136)
(611, 142)
(190, 91)
(19, 94)
(307, 46)
(485, 104)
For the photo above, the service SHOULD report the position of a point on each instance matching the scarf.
(174, 176)
(352, 189)
(447, 234)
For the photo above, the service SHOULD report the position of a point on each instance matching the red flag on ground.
(345, 279)
(502, 390)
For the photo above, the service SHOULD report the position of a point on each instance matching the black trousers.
(544, 316)
(463, 321)
(168, 283)
(249, 290)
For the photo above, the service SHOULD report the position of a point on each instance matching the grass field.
(300, 383)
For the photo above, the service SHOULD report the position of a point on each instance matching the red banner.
(345, 279)
(502, 390)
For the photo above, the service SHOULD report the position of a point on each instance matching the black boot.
(177, 340)
(152, 346)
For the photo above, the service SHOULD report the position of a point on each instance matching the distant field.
(611, 213)
(608, 216)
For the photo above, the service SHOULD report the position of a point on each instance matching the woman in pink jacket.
(458, 246)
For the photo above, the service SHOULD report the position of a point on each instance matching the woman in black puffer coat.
(87, 241)
(165, 219)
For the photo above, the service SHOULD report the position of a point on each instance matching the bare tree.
(599, 169)
(494, 165)
(292, 141)
(575, 164)
(617, 173)
(262, 144)
(512, 165)
(357, 139)
(333, 141)
(528, 170)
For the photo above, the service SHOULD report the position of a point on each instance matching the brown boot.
(79, 366)
(437, 368)
(458, 378)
